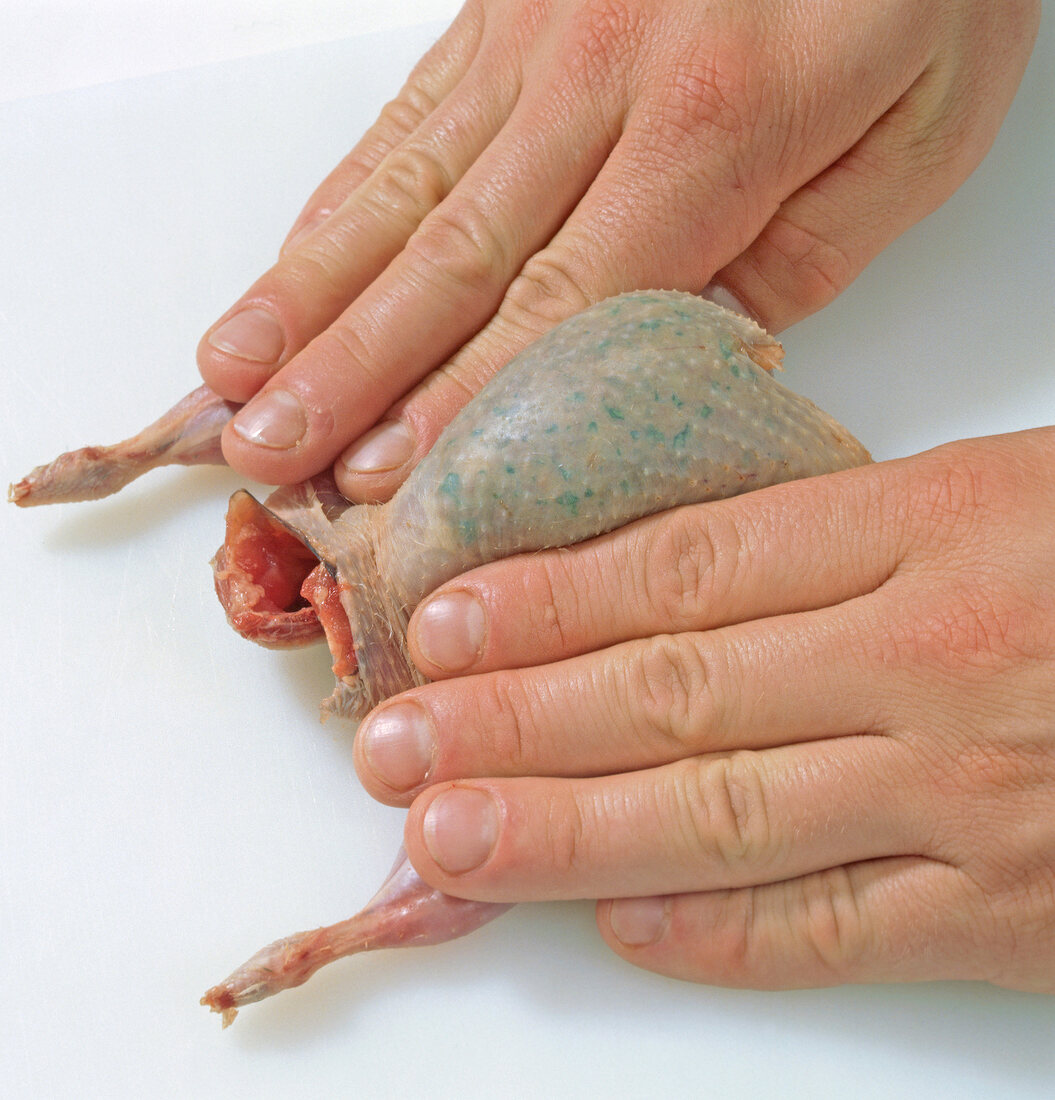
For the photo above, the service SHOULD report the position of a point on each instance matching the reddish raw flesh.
(324, 594)
(258, 574)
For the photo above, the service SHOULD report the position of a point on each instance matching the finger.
(790, 548)
(372, 468)
(714, 822)
(625, 233)
(637, 705)
(682, 195)
(884, 920)
(429, 83)
(432, 297)
(310, 285)
(829, 230)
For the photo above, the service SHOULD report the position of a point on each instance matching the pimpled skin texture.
(641, 403)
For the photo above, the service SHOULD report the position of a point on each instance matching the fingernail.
(450, 630)
(385, 447)
(636, 922)
(275, 419)
(716, 293)
(398, 745)
(252, 334)
(461, 827)
(306, 230)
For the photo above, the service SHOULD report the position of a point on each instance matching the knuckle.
(401, 116)
(980, 629)
(568, 831)
(550, 287)
(315, 272)
(682, 559)
(344, 347)
(530, 19)
(670, 694)
(968, 634)
(601, 37)
(796, 260)
(506, 706)
(952, 489)
(409, 182)
(457, 244)
(832, 923)
(555, 619)
(705, 95)
(733, 820)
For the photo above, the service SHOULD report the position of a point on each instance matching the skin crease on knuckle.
(685, 561)
(667, 689)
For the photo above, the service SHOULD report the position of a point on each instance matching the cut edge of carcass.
(258, 574)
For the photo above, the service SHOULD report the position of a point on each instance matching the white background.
(168, 802)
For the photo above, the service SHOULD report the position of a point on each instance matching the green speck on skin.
(578, 397)
(564, 472)
(592, 426)
(511, 469)
(650, 326)
(467, 530)
(451, 485)
(634, 433)
(676, 401)
(734, 369)
(551, 429)
(655, 434)
(477, 432)
(704, 411)
(726, 347)
(681, 439)
(569, 501)
(625, 486)
(614, 413)
(587, 493)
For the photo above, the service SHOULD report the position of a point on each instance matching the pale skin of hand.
(806, 735)
(548, 153)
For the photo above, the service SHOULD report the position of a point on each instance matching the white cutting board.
(169, 802)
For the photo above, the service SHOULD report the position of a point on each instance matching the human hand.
(545, 155)
(807, 732)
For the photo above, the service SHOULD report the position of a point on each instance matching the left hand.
(807, 735)
(545, 155)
